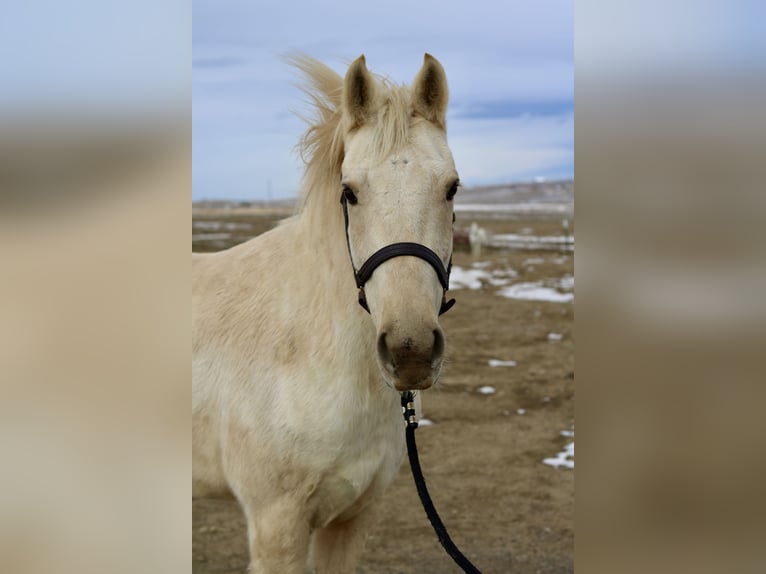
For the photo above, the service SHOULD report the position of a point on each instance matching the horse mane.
(322, 149)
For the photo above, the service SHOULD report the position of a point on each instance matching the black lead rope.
(408, 409)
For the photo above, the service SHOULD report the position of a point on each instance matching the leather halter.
(397, 250)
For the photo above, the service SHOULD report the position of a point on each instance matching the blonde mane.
(321, 147)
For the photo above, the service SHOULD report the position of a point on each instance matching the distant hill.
(515, 193)
(228, 204)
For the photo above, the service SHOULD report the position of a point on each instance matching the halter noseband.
(397, 250)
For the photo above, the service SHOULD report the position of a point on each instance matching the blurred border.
(671, 273)
(95, 335)
(95, 331)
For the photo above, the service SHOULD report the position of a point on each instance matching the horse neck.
(322, 232)
(324, 235)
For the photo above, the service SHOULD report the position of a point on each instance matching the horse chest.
(367, 459)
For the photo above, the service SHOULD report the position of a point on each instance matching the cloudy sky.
(509, 65)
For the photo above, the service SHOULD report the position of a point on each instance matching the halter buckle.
(363, 299)
(446, 305)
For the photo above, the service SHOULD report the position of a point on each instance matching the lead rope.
(408, 410)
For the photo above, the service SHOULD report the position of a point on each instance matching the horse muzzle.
(411, 361)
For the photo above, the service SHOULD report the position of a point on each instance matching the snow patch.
(523, 241)
(210, 236)
(499, 363)
(217, 225)
(487, 390)
(461, 278)
(567, 282)
(535, 292)
(467, 278)
(563, 459)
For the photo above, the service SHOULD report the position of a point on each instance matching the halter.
(397, 250)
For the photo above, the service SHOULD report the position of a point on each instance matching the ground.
(483, 456)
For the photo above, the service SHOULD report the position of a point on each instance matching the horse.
(477, 236)
(295, 393)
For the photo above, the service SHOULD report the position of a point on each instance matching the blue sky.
(93, 57)
(509, 64)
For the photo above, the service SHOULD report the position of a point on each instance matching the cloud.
(512, 149)
(217, 62)
(511, 109)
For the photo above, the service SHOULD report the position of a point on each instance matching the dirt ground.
(483, 456)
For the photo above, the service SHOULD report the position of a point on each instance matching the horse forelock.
(322, 146)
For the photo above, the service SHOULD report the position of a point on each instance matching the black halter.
(397, 250)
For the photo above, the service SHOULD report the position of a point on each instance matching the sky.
(509, 64)
(94, 57)
(510, 68)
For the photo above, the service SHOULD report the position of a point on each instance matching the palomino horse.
(295, 410)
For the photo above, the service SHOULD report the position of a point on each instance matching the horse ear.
(430, 93)
(358, 92)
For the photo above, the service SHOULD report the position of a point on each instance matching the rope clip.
(408, 409)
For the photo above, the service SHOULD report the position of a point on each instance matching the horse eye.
(452, 191)
(349, 195)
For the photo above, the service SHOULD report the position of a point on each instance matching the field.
(502, 420)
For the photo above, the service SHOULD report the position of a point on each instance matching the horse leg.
(279, 536)
(336, 548)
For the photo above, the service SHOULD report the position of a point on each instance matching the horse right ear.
(430, 93)
(358, 93)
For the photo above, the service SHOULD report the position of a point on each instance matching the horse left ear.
(358, 92)
(430, 93)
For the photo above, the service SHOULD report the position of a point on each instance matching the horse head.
(398, 180)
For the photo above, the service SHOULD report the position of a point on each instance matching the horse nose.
(411, 361)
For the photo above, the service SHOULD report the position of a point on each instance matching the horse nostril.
(438, 349)
(383, 351)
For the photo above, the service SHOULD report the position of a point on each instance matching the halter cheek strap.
(397, 250)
